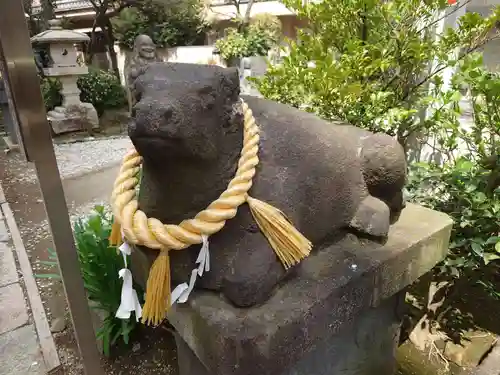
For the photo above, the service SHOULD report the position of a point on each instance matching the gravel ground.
(74, 159)
(78, 158)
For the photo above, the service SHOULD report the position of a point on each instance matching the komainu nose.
(167, 113)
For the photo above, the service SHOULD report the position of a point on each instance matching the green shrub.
(172, 25)
(233, 45)
(461, 190)
(100, 264)
(378, 65)
(370, 63)
(467, 185)
(99, 87)
(268, 23)
(51, 92)
(103, 89)
(251, 42)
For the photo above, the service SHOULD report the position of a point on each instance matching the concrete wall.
(491, 51)
(491, 55)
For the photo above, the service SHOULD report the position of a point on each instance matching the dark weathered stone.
(187, 125)
(491, 364)
(336, 315)
(371, 217)
(363, 347)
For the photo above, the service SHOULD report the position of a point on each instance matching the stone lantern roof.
(57, 34)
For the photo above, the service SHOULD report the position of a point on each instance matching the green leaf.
(492, 240)
(115, 337)
(477, 248)
(488, 257)
(106, 344)
(48, 276)
(100, 265)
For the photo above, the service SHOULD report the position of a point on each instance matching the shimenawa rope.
(288, 243)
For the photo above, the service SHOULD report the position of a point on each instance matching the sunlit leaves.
(364, 50)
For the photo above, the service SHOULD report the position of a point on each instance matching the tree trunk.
(47, 12)
(100, 9)
(90, 52)
(246, 18)
(364, 26)
(110, 40)
(102, 20)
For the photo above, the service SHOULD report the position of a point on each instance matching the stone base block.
(337, 314)
(72, 118)
(364, 347)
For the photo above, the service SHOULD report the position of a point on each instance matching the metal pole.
(20, 72)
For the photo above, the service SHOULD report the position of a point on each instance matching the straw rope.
(289, 245)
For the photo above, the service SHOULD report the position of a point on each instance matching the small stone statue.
(328, 178)
(144, 53)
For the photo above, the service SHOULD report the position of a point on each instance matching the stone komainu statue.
(328, 178)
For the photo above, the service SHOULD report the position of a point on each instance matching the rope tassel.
(157, 291)
(287, 242)
(115, 238)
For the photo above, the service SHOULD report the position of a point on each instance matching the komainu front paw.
(372, 217)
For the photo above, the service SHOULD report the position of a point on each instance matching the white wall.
(192, 54)
(223, 11)
(188, 54)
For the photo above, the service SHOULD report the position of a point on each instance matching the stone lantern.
(59, 58)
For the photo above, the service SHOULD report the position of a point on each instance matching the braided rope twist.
(138, 229)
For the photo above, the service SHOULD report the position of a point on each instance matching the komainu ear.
(230, 90)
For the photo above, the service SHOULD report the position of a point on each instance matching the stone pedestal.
(365, 346)
(74, 117)
(338, 314)
(70, 91)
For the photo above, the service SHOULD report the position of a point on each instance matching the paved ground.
(88, 170)
(20, 351)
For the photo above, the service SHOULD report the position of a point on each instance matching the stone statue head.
(183, 110)
(144, 48)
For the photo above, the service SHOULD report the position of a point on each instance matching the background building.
(81, 14)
